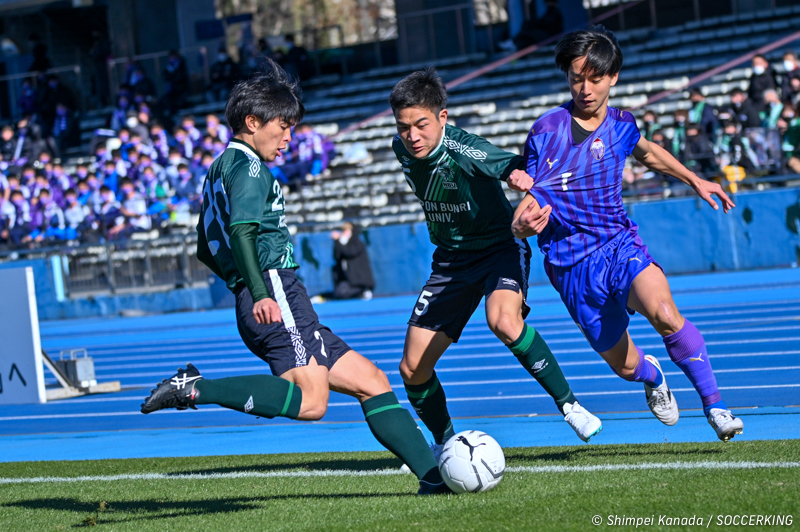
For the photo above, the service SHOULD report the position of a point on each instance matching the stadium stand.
(500, 106)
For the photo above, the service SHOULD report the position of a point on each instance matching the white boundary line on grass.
(389, 472)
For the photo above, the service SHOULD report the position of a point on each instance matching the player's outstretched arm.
(660, 160)
(529, 219)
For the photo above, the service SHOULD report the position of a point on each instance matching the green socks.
(430, 404)
(258, 395)
(393, 426)
(535, 356)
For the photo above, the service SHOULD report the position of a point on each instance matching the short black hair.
(423, 88)
(696, 91)
(268, 95)
(736, 90)
(599, 45)
(125, 181)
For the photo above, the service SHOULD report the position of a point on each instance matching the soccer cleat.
(584, 423)
(176, 392)
(436, 448)
(427, 488)
(660, 399)
(725, 423)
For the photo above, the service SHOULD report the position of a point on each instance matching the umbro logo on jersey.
(473, 153)
(551, 164)
(539, 366)
(509, 282)
(180, 382)
(248, 406)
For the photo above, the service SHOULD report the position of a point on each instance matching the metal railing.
(130, 265)
(74, 84)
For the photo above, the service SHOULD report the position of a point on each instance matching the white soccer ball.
(472, 461)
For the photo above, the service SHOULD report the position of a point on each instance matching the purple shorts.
(595, 290)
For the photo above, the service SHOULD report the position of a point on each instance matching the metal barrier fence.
(123, 266)
(197, 62)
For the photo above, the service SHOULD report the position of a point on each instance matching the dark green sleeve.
(481, 158)
(204, 254)
(245, 255)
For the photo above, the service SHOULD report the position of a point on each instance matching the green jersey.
(459, 188)
(240, 189)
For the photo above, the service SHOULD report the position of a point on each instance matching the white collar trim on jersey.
(244, 148)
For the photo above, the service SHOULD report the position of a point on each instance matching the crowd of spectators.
(756, 134)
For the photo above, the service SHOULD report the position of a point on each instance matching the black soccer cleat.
(176, 392)
(428, 488)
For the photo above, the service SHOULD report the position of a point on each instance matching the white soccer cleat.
(660, 400)
(584, 423)
(436, 448)
(725, 423)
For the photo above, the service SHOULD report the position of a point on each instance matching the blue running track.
(751, 322)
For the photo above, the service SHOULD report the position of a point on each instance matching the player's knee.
(312, 409)
(506, 326)
(667, 320)
(412, 373)
(377, 384)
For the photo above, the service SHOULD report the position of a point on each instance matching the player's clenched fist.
(519, 181)
(529, 218)
(267, 311)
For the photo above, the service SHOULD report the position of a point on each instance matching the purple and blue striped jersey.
(582, 182)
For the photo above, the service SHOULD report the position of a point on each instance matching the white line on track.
(674, 466)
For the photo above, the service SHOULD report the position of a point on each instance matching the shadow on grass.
(317, 465)
(147, 510)
(613, 451)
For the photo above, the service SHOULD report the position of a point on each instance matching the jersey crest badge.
(598, 149)
(447, 178)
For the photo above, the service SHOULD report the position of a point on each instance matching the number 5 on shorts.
(425, 303)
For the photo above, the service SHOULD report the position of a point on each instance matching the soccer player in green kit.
(456, 177)
(243, 238)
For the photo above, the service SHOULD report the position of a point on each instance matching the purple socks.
(645, 372)
(688, 350)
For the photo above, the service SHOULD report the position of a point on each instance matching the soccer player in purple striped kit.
(594, 256)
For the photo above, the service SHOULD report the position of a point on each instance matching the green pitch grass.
(556, 501)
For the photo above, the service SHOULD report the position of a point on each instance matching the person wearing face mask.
(679, 134)
(702, 113)
(651, 125)
(791, 71)
(176, 83)
(7, 143)
(74, 215)
(740, 109)
(763, 79)
(47, 220)
(19, 220)
(108, 213)
(189, 125)
(699, 152)
(215, 130)
(223, 75)
(175, 158)
(789, 126)
(134, 209)
(772, 109)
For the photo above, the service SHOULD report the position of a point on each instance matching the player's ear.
(443, 116)
(614, 79)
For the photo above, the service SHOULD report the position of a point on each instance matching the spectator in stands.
(141, 84)
(47, 220)
(119, 116)
(741, 110)
(186, 185)
(307, 156)
(8, 143)
(352, 273)
(763, 79)
(110, 177)
(64, 130)
(29, 143)
(55, 94)
(772, 109)
(296, 61)
(651, 124)
(789, 126)
(702, 114)
(224, 74)
(734, 150)
(38, 49)
(183, 142)
(74, 215)
(189, 125)
(536, 30)
(28, 98)
(699, 152)
(14, 183)
(19, 223)
(176, 83)
(678, 140)
(216, 130)
(791, 71)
